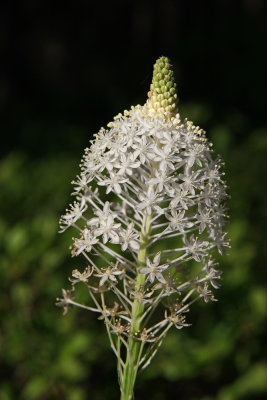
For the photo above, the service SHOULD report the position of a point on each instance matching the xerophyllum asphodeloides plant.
(149, 217)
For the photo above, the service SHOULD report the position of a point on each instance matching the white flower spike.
(149, 215)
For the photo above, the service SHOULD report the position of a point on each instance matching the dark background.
(67, 68)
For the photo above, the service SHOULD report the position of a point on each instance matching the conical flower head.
(162, 98)
(149, 203)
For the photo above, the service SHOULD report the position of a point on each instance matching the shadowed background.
(67, 69)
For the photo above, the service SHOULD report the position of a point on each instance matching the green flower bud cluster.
(162, 98)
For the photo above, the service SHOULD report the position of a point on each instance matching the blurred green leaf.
(254, 381)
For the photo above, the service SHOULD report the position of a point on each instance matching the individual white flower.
(66, 300)
(205, 292)
(203, 218)
(78, 276)
(208, 195)
(108, 229)
(177, 220)
(101, 215)
(169, 286)
(179, 197)
(164, 157)
(169, 139)
(153, 269)
(104, 162)
(142, 149)
(85, 243)
(117, 145)
(196, 248)
(104, 224)
(176, 317)
(73, 214)
(113, 183)
(195, 154)
(212, 273)
(127, 163)
(219, 215)
(148, 200)
(129, 238)
(190, 182)
(161, 180)
(108, 275)
(218, 240)
(81, 183)
(212, 171)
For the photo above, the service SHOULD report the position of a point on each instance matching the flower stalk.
(135, 347)
(150, 217)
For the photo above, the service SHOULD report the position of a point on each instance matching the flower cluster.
(150, 217)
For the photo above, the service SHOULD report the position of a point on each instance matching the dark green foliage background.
(67, 71)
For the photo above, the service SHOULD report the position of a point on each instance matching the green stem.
(135, 347)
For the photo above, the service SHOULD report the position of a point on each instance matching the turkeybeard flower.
(149, 214)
